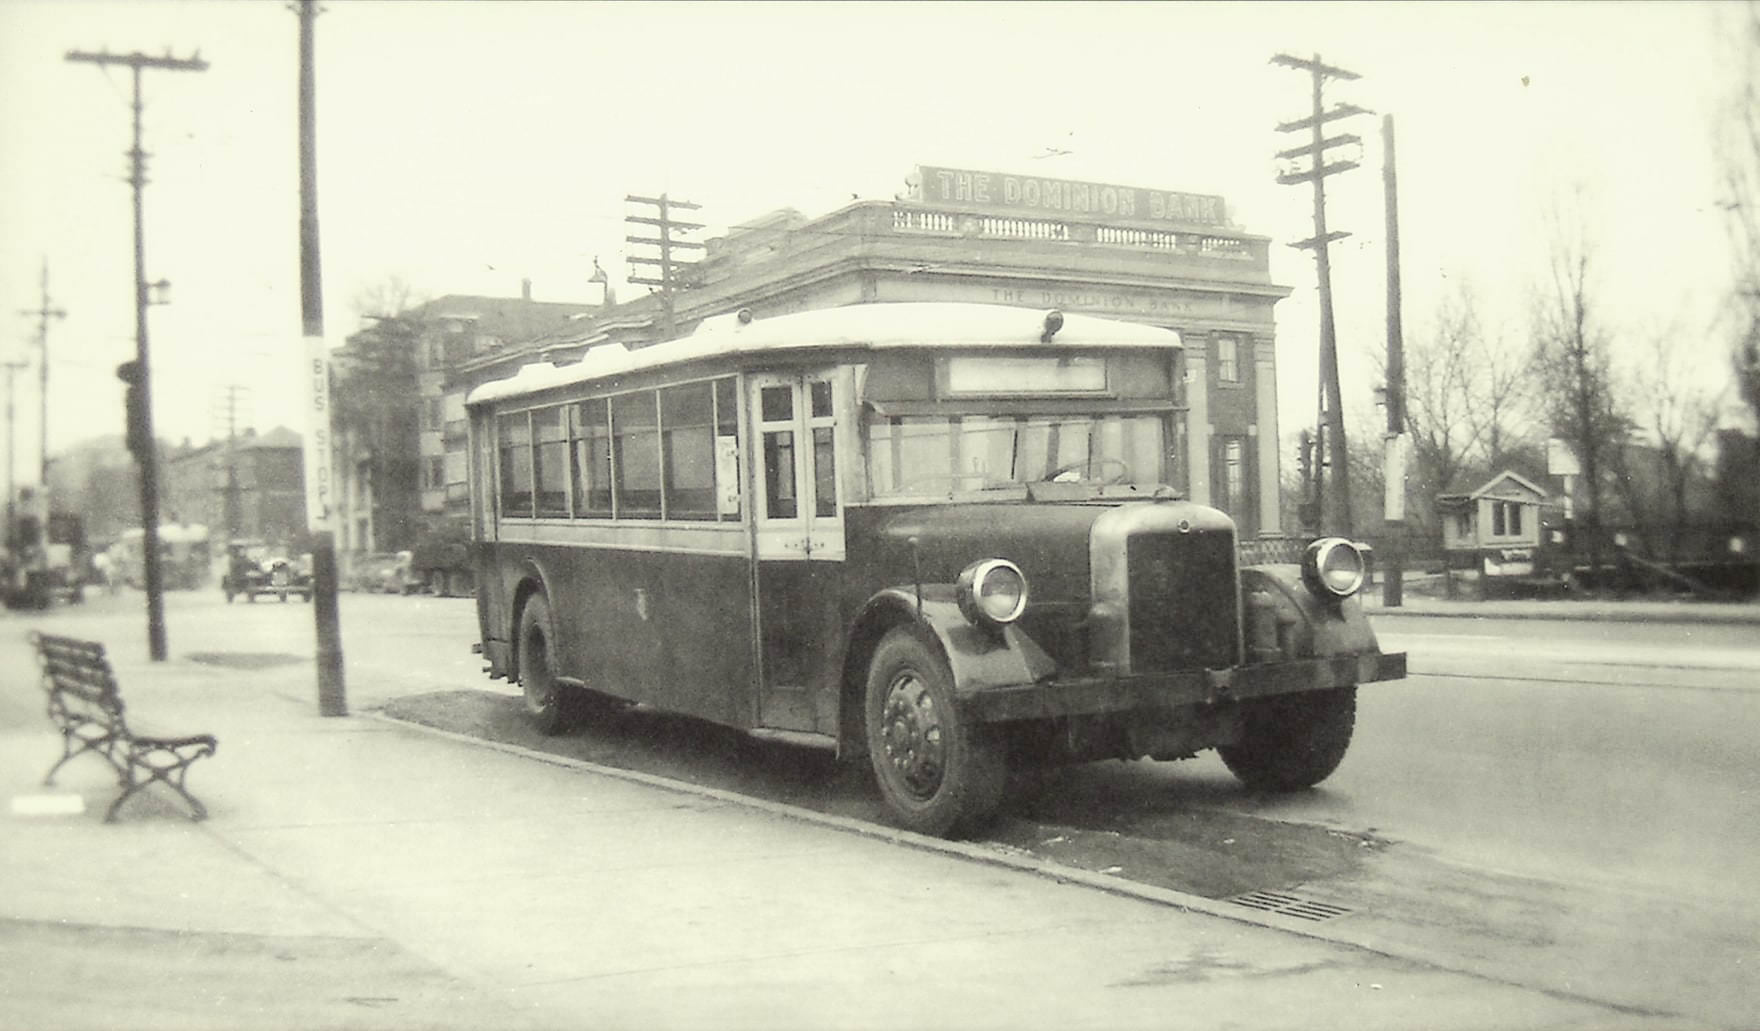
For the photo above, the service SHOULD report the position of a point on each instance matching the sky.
(463, 147)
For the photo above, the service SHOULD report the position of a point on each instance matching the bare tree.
(1467, 393)
(1574, 367)
(374, 398)
(392, 296)
(1676, 413)
(1738, 159)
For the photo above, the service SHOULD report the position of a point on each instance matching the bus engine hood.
(1089, 569)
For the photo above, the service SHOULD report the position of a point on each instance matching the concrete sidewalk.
(361, 873)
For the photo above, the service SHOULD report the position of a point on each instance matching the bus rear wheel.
(1292, 741)
(553, 707)
(938, 774)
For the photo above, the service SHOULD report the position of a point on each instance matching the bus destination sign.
(1038, 195)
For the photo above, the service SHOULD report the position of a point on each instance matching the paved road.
(1563, 805)
(1590, 750)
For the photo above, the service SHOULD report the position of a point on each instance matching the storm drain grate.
(1290, 905)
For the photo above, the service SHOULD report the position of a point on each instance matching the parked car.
(395, 577)
(254, 569)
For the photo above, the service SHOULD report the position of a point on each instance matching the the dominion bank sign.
(1037, 195)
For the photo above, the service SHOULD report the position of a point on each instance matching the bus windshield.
(940, 454)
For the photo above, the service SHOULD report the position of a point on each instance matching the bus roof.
(928, 325)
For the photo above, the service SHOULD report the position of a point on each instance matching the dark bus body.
(937, 535)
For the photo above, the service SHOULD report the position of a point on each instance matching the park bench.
(85, 703)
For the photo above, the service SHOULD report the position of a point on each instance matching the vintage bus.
(943, 536)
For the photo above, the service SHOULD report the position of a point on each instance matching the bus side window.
(727, 481)
(514, 433)
(776, 404)
(821, 414)
(635, 435)
(550, 461)
(590, 467)
(687, 416)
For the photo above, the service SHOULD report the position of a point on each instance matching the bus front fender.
(979, 657)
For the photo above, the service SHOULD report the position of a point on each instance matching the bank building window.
(1228, 367)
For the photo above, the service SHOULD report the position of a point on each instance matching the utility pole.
(1336, 516)
(1393, 583)
(669, 266)
(230, 401)
(332, 692)
(44, 312)
(11, 368)
(139, 378)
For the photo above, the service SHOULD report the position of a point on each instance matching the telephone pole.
(665, 226)
(140, 377)
(332, 691)
(11, 368)
(231, 397)
(1335, 511)
(44, 312)
(1393, 584)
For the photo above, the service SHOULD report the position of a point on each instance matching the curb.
(1708, 617)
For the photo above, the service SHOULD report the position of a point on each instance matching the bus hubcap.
(912, 734)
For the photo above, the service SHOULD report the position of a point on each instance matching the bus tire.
(552, 706)
(1292, 741)
(938, 774)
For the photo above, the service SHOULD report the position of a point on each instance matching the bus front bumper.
(1091, 695)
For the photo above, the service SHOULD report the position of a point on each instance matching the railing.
(1000, 227)
(906, 220)
(1224, 247)
(1160, 239)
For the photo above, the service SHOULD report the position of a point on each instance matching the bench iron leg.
(171, 776)
(104, 747)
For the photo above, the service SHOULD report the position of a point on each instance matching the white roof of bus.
(931, 325)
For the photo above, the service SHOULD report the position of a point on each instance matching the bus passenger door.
(799, 541)
(491, 592)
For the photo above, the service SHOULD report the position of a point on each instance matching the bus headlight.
(1333, 566)
(992, 591)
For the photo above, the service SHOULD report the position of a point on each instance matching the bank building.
(1158, 257)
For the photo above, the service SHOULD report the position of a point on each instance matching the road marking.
(48, 805)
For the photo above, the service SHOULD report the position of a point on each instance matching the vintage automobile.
(254, 569)
(382, 572)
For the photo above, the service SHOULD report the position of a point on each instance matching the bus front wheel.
(552, 706)
(1292, 741)
(938, 773)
